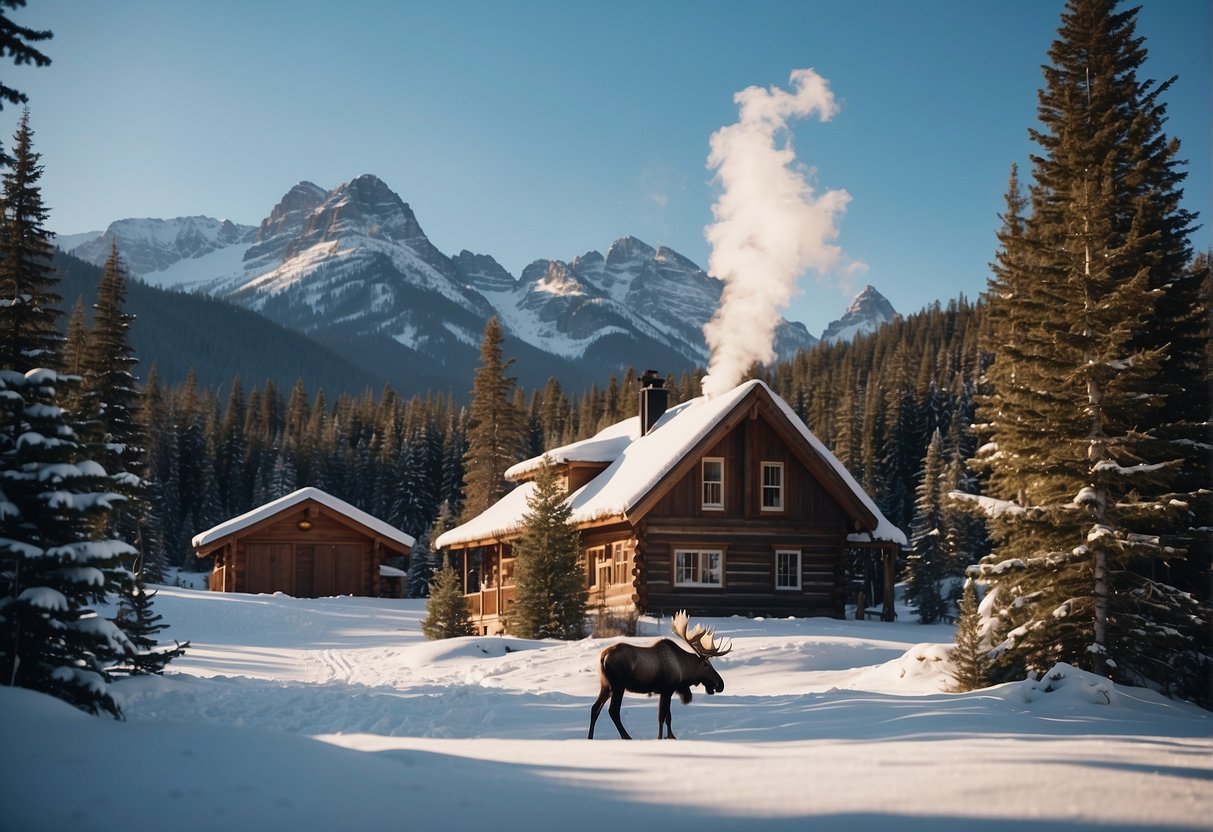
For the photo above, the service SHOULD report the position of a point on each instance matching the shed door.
(338, 570)
(271, 568)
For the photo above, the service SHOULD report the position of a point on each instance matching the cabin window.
(772, 486)
(787, 569)
(713, 483)
(621, 563)
(698, 567)
(595, 574)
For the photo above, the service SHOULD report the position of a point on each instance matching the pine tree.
(29, 303)
(230, 461)
(550, 600)
(75, 344)
(156, 413)
(928, 564)
(110, 401)
(1075, 391)
(422, 563)
(446, 612)
(141, 624)
(969, 656)
(53, 569)
(495, 434)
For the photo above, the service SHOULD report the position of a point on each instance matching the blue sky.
(530, 130)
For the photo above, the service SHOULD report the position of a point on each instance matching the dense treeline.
(216, 454)
(875, 401)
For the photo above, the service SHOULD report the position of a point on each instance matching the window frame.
(799, 573)
(704, 482)
(621, 557)
(593, 560)
(698, 568)
(773, 465)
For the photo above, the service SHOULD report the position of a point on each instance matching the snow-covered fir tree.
(55, 569)
(1074, 407)
(929, 561)
(421, 567)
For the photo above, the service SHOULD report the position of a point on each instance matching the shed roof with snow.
(307, 544)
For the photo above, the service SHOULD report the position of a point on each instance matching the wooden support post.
(888, 613)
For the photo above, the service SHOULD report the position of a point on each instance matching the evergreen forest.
(1049, 440)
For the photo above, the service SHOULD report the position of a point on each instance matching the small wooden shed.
(308, 544)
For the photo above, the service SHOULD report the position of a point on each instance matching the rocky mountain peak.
(589, 263)
(365, 211)
(867, 312)
(292, 210)
(284, 224)
(628, 249)
(482, 272)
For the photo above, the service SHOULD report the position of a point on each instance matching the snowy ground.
(336, 714)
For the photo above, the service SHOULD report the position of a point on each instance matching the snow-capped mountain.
(635, 290)
(354, 262)
(869, 311)
(152, 246)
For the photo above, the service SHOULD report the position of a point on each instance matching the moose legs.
(665, 729)
(663, 717)
(616, 696)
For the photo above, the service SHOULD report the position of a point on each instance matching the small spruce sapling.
(970, 655)
(446, 612)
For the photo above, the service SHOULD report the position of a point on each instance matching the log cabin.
(721, 506)
(308, 544)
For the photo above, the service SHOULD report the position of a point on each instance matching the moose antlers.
(700, 639)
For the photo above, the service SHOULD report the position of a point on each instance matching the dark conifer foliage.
(1084, 444)
(421, 568)
(54, 569)
(56, 562)
(109, 403)
(495, 431)
(141, 625)
(970, 662)
(17, 43)
(29, 302)
(446, 612)
(550, 601)
(929, 562)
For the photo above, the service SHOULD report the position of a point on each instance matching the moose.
(662, 668)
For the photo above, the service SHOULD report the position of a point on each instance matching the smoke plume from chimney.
(769, 224)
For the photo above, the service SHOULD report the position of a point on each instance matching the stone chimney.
(654, 399)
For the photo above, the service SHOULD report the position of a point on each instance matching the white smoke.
(769, 224)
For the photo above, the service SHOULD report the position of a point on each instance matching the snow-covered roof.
(637, 465)
(604, 446)
(273, 507)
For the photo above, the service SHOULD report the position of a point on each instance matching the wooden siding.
(748, 571)
(811, 522)
(743, 450)
(331, 558)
